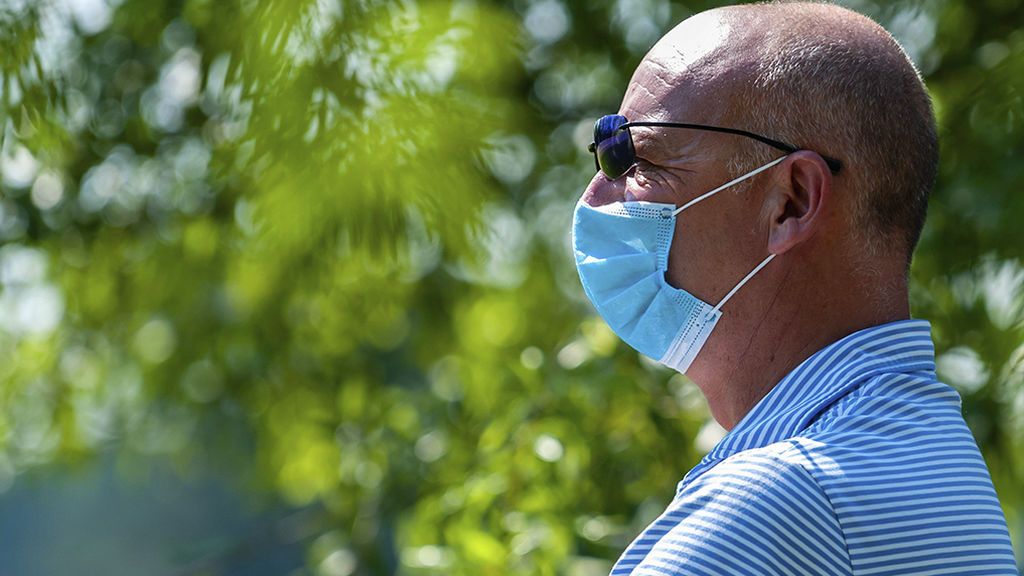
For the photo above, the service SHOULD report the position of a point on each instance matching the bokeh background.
(286, 287)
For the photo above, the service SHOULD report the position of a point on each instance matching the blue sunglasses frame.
(613, 148)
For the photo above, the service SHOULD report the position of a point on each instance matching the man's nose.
(603, 191)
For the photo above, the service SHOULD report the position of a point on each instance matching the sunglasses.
(613, 144)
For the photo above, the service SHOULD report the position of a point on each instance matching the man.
(788, 149)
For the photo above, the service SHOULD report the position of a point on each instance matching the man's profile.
(758, 198)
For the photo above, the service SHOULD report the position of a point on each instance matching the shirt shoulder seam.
(797, 464)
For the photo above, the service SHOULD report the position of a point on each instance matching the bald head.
(825, 79)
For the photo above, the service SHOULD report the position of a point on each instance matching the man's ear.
(797, 200)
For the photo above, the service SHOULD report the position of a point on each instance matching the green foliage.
(343, 226)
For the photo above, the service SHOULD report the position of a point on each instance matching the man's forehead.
(679, 73)
(693, 41)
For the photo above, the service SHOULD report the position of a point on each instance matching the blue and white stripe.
(858, 462)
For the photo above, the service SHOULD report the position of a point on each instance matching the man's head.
(834, 81)
(827, 80)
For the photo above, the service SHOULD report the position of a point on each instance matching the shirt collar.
(828, 374)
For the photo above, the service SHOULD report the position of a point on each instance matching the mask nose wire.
(750, 174)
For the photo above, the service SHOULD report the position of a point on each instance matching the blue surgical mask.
(622, 256)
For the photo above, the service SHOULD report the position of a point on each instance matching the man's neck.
(761, 347)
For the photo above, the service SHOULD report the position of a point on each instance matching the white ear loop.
(706, 195)
(742, 282)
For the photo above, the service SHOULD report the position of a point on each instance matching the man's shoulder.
(877, 433)
(782, 475)
(884, 426)
(760, 510)
(899, 469)
(773, 479)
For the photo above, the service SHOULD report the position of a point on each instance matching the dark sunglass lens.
(615, 154)
(606, 126)
(613, 148)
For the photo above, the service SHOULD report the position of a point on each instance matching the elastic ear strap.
(744, 281)
(751, 174)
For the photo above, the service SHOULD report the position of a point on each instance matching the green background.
(286, 288)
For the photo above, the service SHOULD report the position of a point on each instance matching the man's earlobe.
(798, 198)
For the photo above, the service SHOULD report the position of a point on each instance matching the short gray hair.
(850, 95)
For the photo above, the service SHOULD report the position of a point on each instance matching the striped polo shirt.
(858, 462)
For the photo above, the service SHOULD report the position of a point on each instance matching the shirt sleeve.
(752, 514)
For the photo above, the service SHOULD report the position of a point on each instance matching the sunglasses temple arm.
(833, 164)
